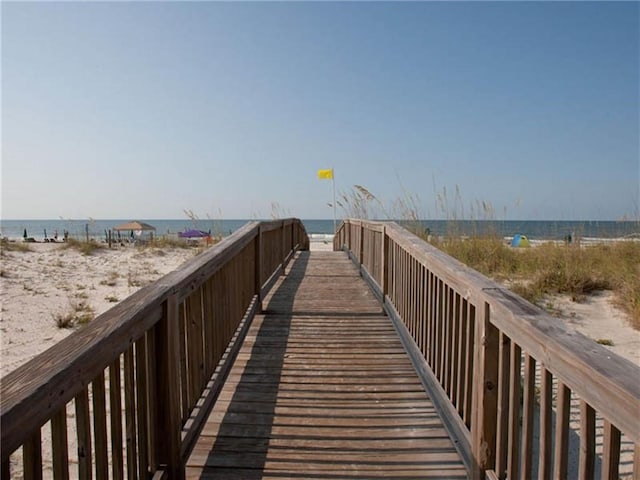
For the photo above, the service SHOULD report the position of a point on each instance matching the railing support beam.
(168, 429)
(485, 399)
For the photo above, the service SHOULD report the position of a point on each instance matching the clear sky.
(142, 110)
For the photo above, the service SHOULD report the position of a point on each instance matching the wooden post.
(485, 396)
(347, 228)
(384, 267)
(168, 428)
(258, 268)
(361, 246)
(283, 247)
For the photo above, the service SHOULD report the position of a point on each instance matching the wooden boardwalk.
(322, 388)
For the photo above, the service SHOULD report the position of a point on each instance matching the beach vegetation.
(82, 295)
(7, 246)
(78, 313)
(133, 278)
(605, 341)
(112, 299)
(86, 248)
(111, 280)
(159, 243)
(534, 273)
(64, 320)
(552, 268)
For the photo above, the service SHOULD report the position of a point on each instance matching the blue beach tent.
(520, 241)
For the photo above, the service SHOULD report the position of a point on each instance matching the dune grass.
(533, 273)
(552, 268)
(7, 246)
(86, 248)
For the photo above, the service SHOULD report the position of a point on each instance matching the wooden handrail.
(165, 340)
(471, 337)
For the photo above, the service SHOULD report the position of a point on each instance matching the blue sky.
(143, 110)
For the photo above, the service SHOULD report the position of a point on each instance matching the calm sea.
(547, 230)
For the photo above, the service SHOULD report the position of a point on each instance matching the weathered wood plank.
(32, 458)
(130, 415)
(83, 428)
(502, 412)
(100, 426)
(562, 432)
(611, 452)
(115, 404)
(528, 409)
(590, 370)
(36, 392)
(323, 384)
(546, 432)
(587, 441)
(60, 445)
(515, 395)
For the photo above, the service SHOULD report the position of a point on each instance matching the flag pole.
(333, 180)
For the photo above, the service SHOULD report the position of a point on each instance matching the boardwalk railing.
(523, 396)
(124, 396)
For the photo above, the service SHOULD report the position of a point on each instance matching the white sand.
(52, 280)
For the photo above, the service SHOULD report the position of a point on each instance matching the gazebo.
(137, 227)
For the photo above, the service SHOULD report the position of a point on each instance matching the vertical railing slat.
(60, 448)
(152, 387)
(446, 339)
(130, 415)
(83, 432)
(561, 450)
(115, 405)
(546, 433)
(455, 353)
(184, 374)
(483, 428)
(502, 416)
(462, 348)
(528, 410)
(587, 441)
(469, 366)
(141, 406)
(32, 458)
(611, 452)
(167, 420)
(515, 394)
(100, 426)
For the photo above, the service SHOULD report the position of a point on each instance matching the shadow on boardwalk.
(322, 388)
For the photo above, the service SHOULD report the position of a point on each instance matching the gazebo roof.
(135, 225)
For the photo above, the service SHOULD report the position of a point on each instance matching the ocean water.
(535, 230)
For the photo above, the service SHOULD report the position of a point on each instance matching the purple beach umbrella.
(193, 234)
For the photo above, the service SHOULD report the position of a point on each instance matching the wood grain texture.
(36, 391)
(322, 386)
(604, 381)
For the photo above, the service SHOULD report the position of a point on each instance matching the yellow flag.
(326, 174)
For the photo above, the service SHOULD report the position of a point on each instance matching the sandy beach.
(49, 282)
(52, 282)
